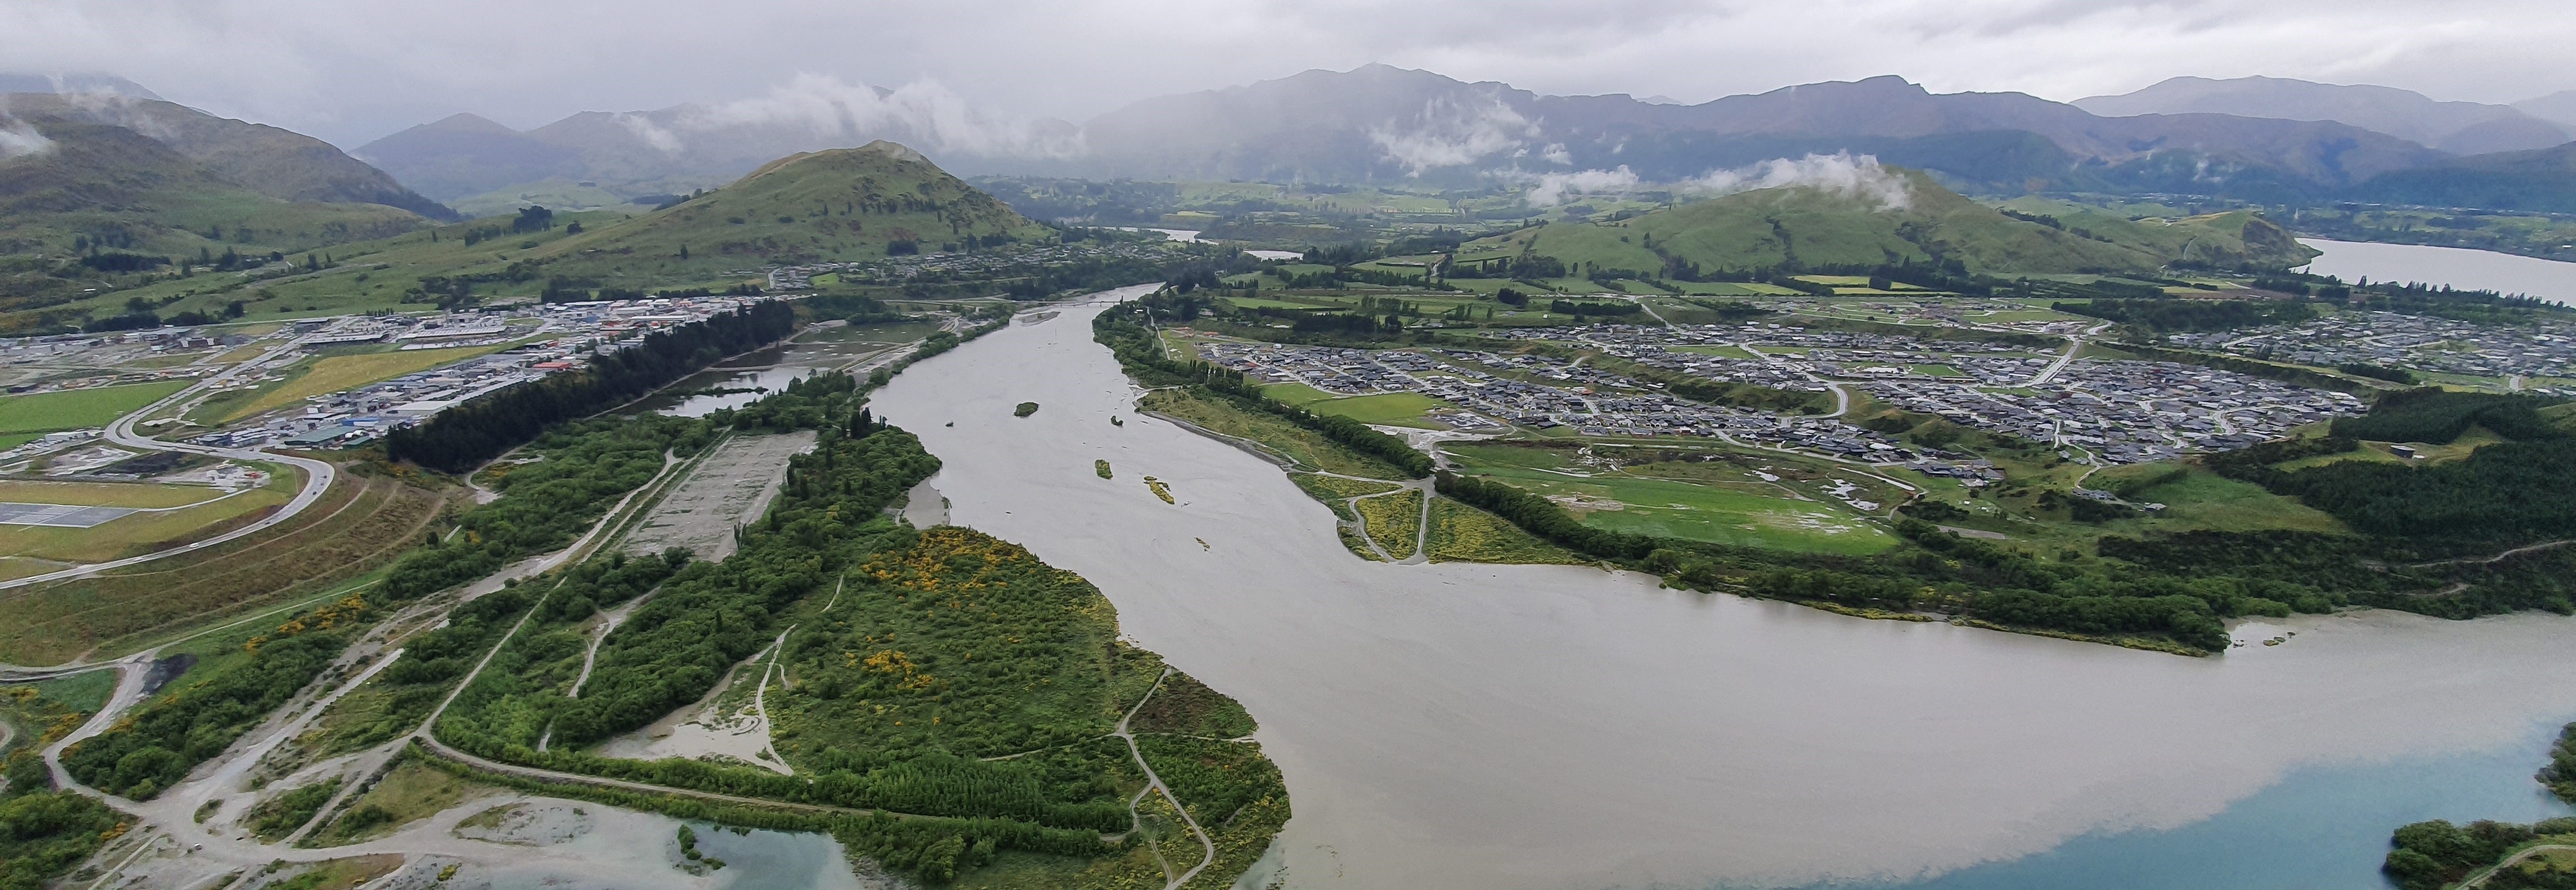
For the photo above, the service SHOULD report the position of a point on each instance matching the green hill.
(839, 205)
(846, 204)
(1799, 227)
(95, 191)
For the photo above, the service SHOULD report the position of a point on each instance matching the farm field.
(339, 372)
(79, 409)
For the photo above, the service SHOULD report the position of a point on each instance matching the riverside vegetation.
(2454, 539)
(2432, 855)
(979, 649)
(940, 674)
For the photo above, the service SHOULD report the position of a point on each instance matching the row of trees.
(1123, 328)
(2169, 315)
(462, 437)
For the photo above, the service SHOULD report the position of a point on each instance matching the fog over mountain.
(2457, 127)
(1380, 123)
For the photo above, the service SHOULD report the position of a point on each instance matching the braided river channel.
(1505, 727)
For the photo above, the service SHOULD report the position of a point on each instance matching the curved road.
(318, 477)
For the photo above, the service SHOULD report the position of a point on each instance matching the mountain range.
(2254, 138)
(2465, 128)
(271, 161)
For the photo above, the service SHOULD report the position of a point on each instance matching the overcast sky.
(352, 70)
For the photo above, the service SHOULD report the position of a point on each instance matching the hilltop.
(843, 204)
(1809, 227)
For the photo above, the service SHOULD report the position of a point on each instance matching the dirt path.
(1154, 783)
(2500, 557)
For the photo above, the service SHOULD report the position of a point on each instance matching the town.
(2111, 411)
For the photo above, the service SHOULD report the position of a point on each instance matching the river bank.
(1457, 725)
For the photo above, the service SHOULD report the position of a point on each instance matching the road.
(2074, 344)
(318, 477)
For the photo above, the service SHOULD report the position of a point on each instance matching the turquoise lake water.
(2316, 829)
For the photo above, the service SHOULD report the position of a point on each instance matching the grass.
(342, 874)
(280, 816)
(357, 526)
(79, 409)
(1385, 409)
(1460, 533)
(1394, 521)
(408, 793)
(1296, 393)
(1936, 371)
(103, 494)
(2204, 500)
(1715, 502)
(139, 533)
(1305, 448)
(343, 372)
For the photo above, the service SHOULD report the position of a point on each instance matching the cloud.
(1450, 134)
(1840, 173)
(653, 134)
(329, 69)
(1551, 189)
(19, 139)
(923, 113)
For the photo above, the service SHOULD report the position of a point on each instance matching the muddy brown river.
(1469, 726)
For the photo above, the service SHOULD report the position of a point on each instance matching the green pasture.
(79, 409)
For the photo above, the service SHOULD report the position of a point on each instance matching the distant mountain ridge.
(1378, 123)
(2458, 127)
(269, 160)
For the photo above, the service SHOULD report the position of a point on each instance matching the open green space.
(78, 409)
(1305, 448)
(1389, 409)
(1740, 514)
(139, 533)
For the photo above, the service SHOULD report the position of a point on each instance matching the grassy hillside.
(2219, 239)
(272, 161)
(107, 189)
(843, 204)
(846, 204)
(1810, 228)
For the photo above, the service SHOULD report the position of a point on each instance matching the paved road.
(318, 477)
(2074, 344)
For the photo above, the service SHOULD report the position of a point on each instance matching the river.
(2456, 266)
(1504, 727)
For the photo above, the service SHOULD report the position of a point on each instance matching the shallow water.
(1548, 727)
(613, 848)
(2459, 267)
(769, 370)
